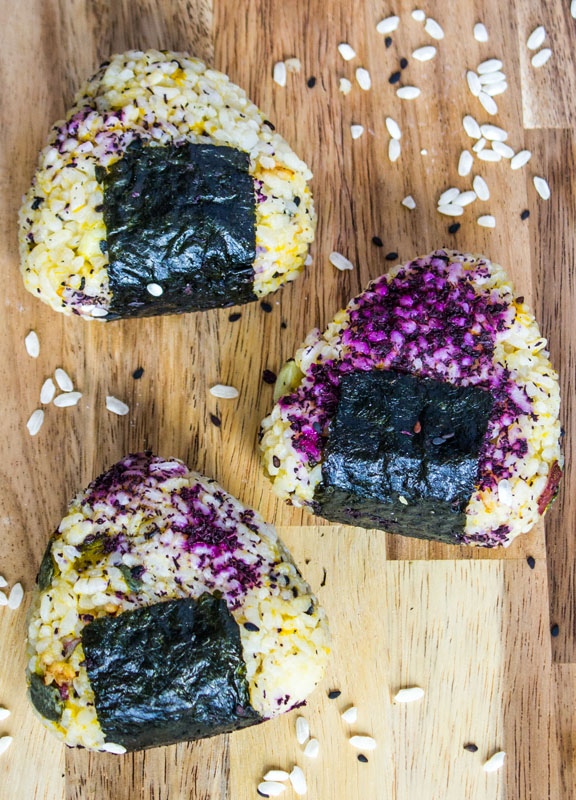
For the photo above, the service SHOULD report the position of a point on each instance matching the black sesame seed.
(525, 214)
(251, 627)
(309, 610)
(333, 694)
(283, 325)
(267, 122)
(388, 41)
(265, 306)
(311, 82)
(234, 317)
(268, 376)
(555, 630)
(454, 228)
(99, 208)
(472, 748)
(215, 420)
(137, 374)
(531, 562)
(276, 461)
(36, 203)
(395, 77)
(403, 63)
(377, 241)
(297, 201)
(362, 758)
(391, 256)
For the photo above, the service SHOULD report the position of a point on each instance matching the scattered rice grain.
(363, 742)
(490, 65)
(542, 187)
(408, 92)
(465, 198)
(344, 86)
(67, 399)
(312, 748)
(339, 261)
(5, 742)
(494, 89)
(356, 131)
(350, 716)
(35, 422)
(302, 730)
(117, 406)
(4, 714)
(409, 202)
(504, 149)
(271, 788)
(480, 32)
(113, 747)
(449, 195)
(409, 695)
(481, 188)
(495, 762)
(433, 29)
(541, 57)
(520, 159)
(279, 73)
(276, 775)
(363, 78)
(488, 103)
(465, 163)
(393, 128)
(293, 65)
(480, 145)
(486, 221)
(16, 596)
(419, 15)
(47, 391)
(63, 380)
(346, 51)
(298, 781)
(32, 344)
(424, 53)
(536, 38)
(471, 127)
(494, 133)
(450, 210)
(394, 149)
(473, 83)
(388, 25)
(489, 155)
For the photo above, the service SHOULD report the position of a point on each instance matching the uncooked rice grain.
(465, 163)
(504, 149)
(448, 196)
(486, 221)
(388, 25)
(363, 78)
(4, 714)
(424, 53)
(488, 103)
(495, 761)
(3, 582)
(494, 89)
(409, 695)
(394, 149)
(451, 210)
(116, 406)
(481, 188)
(542, 187)
(536, 38)
(433, 29)
(302, 730)
(471, 127)
(520, 159)
(293, 65)
(473, 83)
(363, 742)
(346, 51)
(541, 57)
(339, 261)
(279, 73)
(480, 145)
(67, 399)
(298, 781)
(494, 133)
(465, 198)
(35, 422)
(344, 86)
(489, 155)
(356, 131)
(420, 16)
(350, 716)
(5, 742)
(271, 788)
(63, 380)
(312, 748)
(491, 65)
(47, 391)
(491, 77)
(32, 344)
(480, 32)
(393, 128)
(16, 596)
(408, 92)
(409, 202)
(276, 775)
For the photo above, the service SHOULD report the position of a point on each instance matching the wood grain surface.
(470, 626)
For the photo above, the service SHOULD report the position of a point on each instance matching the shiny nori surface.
(182, 217)
(47, 569)
(398, 436)
(167, 673)
(45, 699)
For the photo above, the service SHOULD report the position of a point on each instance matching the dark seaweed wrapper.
(45, 699)
(402, 454)
(182, 217)
(167, 673)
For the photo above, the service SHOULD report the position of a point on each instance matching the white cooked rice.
(161, 98)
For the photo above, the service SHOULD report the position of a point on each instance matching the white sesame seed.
(409, 695)
(394, 150)
(492, 77)
(279, 73)
(154, 289)
(67, 399)
(480, 32)
(339, 261)
(35, 422)
(471, 127)
(408, 92)
(491, 65)
(388, 25)
(276, 775)
(487, 221)
(488, 103)
(573, 8)
(473, 83)
(450, 210)
(393, 128)
(312, 748)
(480, 145)
(3, 599)
(63, 380)
(495, 762)
(302, 730)
(465, 163)
(350, 716)
(433, 29)
(112, 747)
(4, 714)
(99, 312)
(521, 158)
(293, 65)
(298, 781)
(3, 582)
(409, 202)
(347, 52)
(424, 53)
(419, 15)
(356, 131)
(363, 742)
(541, 57)
(271, 788)
(481, 188)
(344, 86)
(116, 406)
(5, 742)
(32, 344)
(363, 78)
(536, 38)
(504, 149)
(47, 391)
(494, 89)
(465, 198)
(494, 133)
(15, 597)
(542, 187)
(489, 155)
(449, 195)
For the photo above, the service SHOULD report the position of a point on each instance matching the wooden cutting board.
(470, 626)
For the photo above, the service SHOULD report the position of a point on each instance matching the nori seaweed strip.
(183, 217)
(167, 673)
(45, 699)
(402, 454)
(47, 569)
